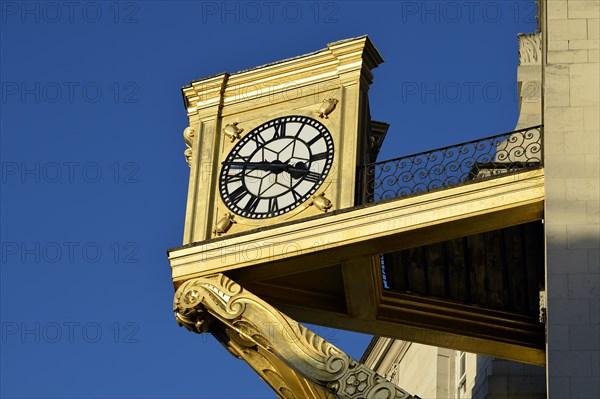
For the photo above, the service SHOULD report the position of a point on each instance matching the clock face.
(276, 167)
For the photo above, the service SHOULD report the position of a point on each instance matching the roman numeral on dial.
(296, 195)
(318, 157)
(314, 140)
(273, 205)
(259, 140)
(234, 178)
(238, 194)
(300, 130)
(241, 158)
(252, 204)
(279, 130)
(312, 177)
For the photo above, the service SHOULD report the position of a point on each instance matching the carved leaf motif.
(198, 301)
(530, 49)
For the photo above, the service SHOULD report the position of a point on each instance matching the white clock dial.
(276, 167)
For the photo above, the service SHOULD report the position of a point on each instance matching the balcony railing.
(449, 166)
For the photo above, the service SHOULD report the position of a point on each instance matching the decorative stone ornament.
(188, 137)
(224, 224)
(321, 202)
(327, 106)
(293, 360)
(530, 49)
(232, 131)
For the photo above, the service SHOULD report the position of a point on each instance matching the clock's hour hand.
(298, 170)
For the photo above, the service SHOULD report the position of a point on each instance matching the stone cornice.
(352, 57)
(204, 94)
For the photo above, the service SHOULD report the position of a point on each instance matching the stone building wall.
(559, 80)
(571, 74)
(435, 373)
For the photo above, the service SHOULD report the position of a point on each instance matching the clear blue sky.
(94, 179)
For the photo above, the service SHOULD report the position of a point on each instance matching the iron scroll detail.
(453, 165)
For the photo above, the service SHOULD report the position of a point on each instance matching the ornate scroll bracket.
(254, 330)
(188, 137)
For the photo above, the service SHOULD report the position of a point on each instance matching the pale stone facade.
(529, 77)
(438, 373)
(572, 130)
(571, 107)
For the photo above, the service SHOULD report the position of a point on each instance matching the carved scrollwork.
(194, 296)
(264, 328)
(449, 166)
(273, 372)
(188, 137)
(360, 382)
(530, 49)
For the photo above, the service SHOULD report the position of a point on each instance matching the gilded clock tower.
(267, 148)
(279, 142)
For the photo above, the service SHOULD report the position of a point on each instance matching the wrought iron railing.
(449, 166)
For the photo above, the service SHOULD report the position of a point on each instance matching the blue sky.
(94, 179)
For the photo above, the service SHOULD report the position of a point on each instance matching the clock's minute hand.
(256, 165)
(299, 167)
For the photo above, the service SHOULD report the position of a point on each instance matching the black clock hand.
(296, 170)
(268, 166)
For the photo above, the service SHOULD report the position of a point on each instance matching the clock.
(276, 167)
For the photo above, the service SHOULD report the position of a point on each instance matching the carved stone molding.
(217, 303)
(281, 378)
(530, 49)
